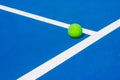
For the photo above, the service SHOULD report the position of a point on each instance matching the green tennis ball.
(75, 30)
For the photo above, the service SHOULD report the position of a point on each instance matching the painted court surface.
(34, 44)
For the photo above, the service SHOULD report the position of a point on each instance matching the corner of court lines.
(65, 55)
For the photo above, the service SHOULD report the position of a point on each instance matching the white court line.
(59, 59)
(43, 19)
(62, 57)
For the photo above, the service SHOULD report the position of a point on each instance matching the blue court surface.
(34, 44)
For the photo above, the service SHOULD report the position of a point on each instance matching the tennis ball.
(75, 30)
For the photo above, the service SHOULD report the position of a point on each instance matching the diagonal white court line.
(62, 57)
(43, 19)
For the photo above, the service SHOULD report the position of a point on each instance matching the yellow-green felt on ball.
(75, 30)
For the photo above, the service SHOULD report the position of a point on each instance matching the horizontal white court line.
(62, 57)
(43, 19)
